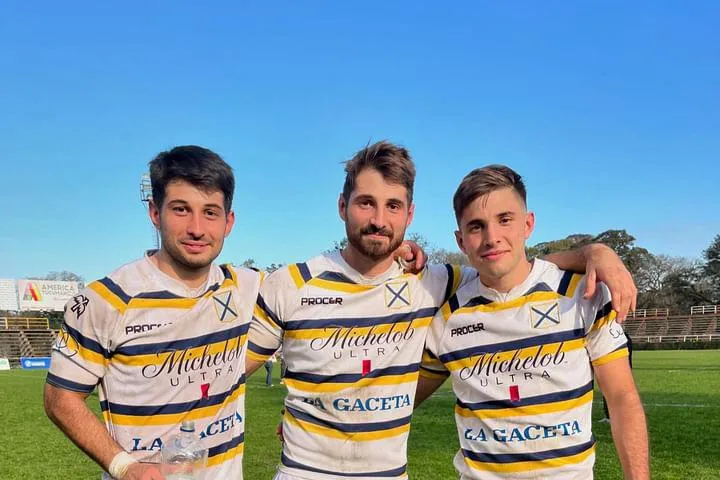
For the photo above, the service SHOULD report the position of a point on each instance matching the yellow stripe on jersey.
(184, 302)
(331, 387)
(526, 410)
(311, 333)
(603, 321)
(296, 276)
(116, 302)
(156, 359)
(352, 436)
(340, 286)
(72, 345)
(457, 276)
(256, 356)
(530, 465)
(225, 456)
(546, 349)
(260, 314)
(518, 302)
(572, 286)
(623, 352)
(173, 418)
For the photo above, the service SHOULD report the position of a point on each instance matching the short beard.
(371, 249)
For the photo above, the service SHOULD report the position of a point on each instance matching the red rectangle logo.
(514, 393)
(365, 367)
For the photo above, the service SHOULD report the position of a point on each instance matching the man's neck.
(191, 278)
(510, 280)
(367, 267)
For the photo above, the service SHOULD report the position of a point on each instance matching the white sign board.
(8, 294)
(45, 294)
(4, 364)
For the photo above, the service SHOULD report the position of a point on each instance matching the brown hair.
(482, 181)
(392, 161)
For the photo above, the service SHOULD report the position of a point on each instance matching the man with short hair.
(521, 343)
(164, 336)
(352, 325)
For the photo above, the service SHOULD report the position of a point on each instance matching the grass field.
(680, 389)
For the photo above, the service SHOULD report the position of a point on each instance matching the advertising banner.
(45, 295)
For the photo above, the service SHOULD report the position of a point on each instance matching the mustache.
(373, 230)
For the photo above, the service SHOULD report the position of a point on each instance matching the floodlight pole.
(145, 197)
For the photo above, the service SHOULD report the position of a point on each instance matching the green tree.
(711, 269)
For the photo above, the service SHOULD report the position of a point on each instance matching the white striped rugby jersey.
(352, 347)
(521, 367)
(159, 355)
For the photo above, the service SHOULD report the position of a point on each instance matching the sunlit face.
(193, 224)
(493, 231)
(376, 215)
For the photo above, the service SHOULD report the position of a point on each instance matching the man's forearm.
(629, 431)
(70, 413)
(574, 260)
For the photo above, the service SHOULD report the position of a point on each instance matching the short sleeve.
(80, 353)
(606, 340)
(431, 366)
(266, 326)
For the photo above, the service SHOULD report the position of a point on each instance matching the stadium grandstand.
(26, 335)
(656, 325)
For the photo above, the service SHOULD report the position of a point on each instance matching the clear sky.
(610, 110)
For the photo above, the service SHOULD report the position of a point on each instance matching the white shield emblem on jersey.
(225, 306)
(397, 295)
(545, 315)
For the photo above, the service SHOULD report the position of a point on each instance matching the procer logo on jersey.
(456, 332)
(321, 301)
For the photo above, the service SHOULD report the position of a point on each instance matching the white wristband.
(120, 465)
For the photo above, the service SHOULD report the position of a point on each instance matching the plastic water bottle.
(183, 456)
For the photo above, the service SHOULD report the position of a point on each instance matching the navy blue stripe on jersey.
(528, 456)
(453, 303)
(271, 315)
(224, 447)
(60, 382)
(115, 288)
(449, 284)
(351, 377)
(153, 348)
(159, 295)
(477, 301)
(255, 348)
(226, 272)
(565, 283)
(536, 400)
(360, 322)
(336, 277)
(349, 427)
(565, 336)
(539, 287)
(304, 271)
(387, 473)
(603, 312)
(171, 408)
(85, 342)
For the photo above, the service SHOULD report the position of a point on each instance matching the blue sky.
(610, 110)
